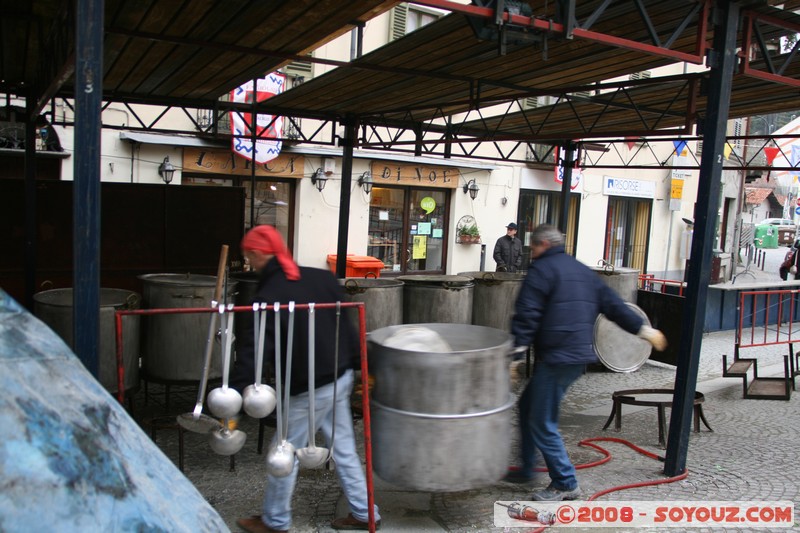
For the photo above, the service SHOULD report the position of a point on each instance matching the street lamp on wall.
(319, 179)
(166, 170)
(365, 181)
(472, 189)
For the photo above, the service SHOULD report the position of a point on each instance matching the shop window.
(407, 229)
(627, 232)
(544, 207)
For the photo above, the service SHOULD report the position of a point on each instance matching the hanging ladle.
(280, 457)
(311, 456)
(225, 402)
(259, 398)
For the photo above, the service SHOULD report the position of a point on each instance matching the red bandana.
(266, 239)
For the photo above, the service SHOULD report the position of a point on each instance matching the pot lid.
(617, 349)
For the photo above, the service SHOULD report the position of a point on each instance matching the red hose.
(607, 458)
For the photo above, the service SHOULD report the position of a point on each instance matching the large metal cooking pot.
(55, 308)
(494, 297)
(441, 419)
(445, 453)
(437, 298)
(471, 378)
(174, 344)
(624, 281)
(383, 299)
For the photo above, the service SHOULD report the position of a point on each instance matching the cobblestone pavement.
(749, 455)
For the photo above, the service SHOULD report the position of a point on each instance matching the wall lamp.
(366, 182)
(472, 188)
(319, 179)
(166, 170)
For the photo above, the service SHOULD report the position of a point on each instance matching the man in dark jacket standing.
(508, 251)
(556, 310)
(283, 281)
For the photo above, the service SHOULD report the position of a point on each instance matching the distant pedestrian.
(558, 304)
(508, 251)
(790, 269)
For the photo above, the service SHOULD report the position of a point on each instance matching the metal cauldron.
(383, 299)
(174, 344)
(494, 298)
(437, 298)
(442, 420)
(55, 308)
(624, 281)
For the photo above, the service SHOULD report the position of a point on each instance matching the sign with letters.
(390, 173)
(218, 161)
(628, 187)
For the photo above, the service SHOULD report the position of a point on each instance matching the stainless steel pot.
(437, 299)
(54, 308)
(383, 299)
(174, 344)
(494, 297)
(444, 453)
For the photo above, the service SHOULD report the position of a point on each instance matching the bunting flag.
(726, 150)
(771, 152)
(681, 148)
(795, 160)
(631, 142)
(269, 129)
(577, 172)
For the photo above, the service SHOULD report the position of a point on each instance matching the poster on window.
(269, 128)
(419, 249)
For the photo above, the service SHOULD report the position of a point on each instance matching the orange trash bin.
(358, 266)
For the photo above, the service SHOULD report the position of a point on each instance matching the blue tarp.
(71, 458)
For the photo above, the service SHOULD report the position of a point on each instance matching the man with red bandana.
(283, 281)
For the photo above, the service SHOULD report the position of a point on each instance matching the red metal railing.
(767, 318)
(648, 282)
(362, 329)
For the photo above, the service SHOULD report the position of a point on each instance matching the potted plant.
(469, 234)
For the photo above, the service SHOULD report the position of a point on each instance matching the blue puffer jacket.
(558, 305)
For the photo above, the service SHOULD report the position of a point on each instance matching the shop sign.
(225, 162)
(386, 173)
(628, 187)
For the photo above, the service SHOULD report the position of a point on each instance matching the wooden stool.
(629, 397)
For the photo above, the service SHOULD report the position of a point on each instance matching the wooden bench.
(645, 398)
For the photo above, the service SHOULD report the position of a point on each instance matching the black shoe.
(518, 475)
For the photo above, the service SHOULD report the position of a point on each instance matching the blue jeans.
(277, 506)
(538, 414)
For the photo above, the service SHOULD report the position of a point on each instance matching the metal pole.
(569, 146)
(349, 141)
(86, 190)
(30, 202)
(722, 61)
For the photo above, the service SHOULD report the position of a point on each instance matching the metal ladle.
(259, 398)
(226, 441)
(311, 456)
(280, 456)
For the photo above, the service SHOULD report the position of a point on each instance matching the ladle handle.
(289, 346)
(227, 333)
(335, 375)
(278, 377)
(312, 406)
(260, 320)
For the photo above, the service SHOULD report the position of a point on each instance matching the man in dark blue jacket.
(555, 312)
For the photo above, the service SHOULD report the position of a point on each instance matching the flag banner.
(795, 159)
(269, 128)
(577, 172)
